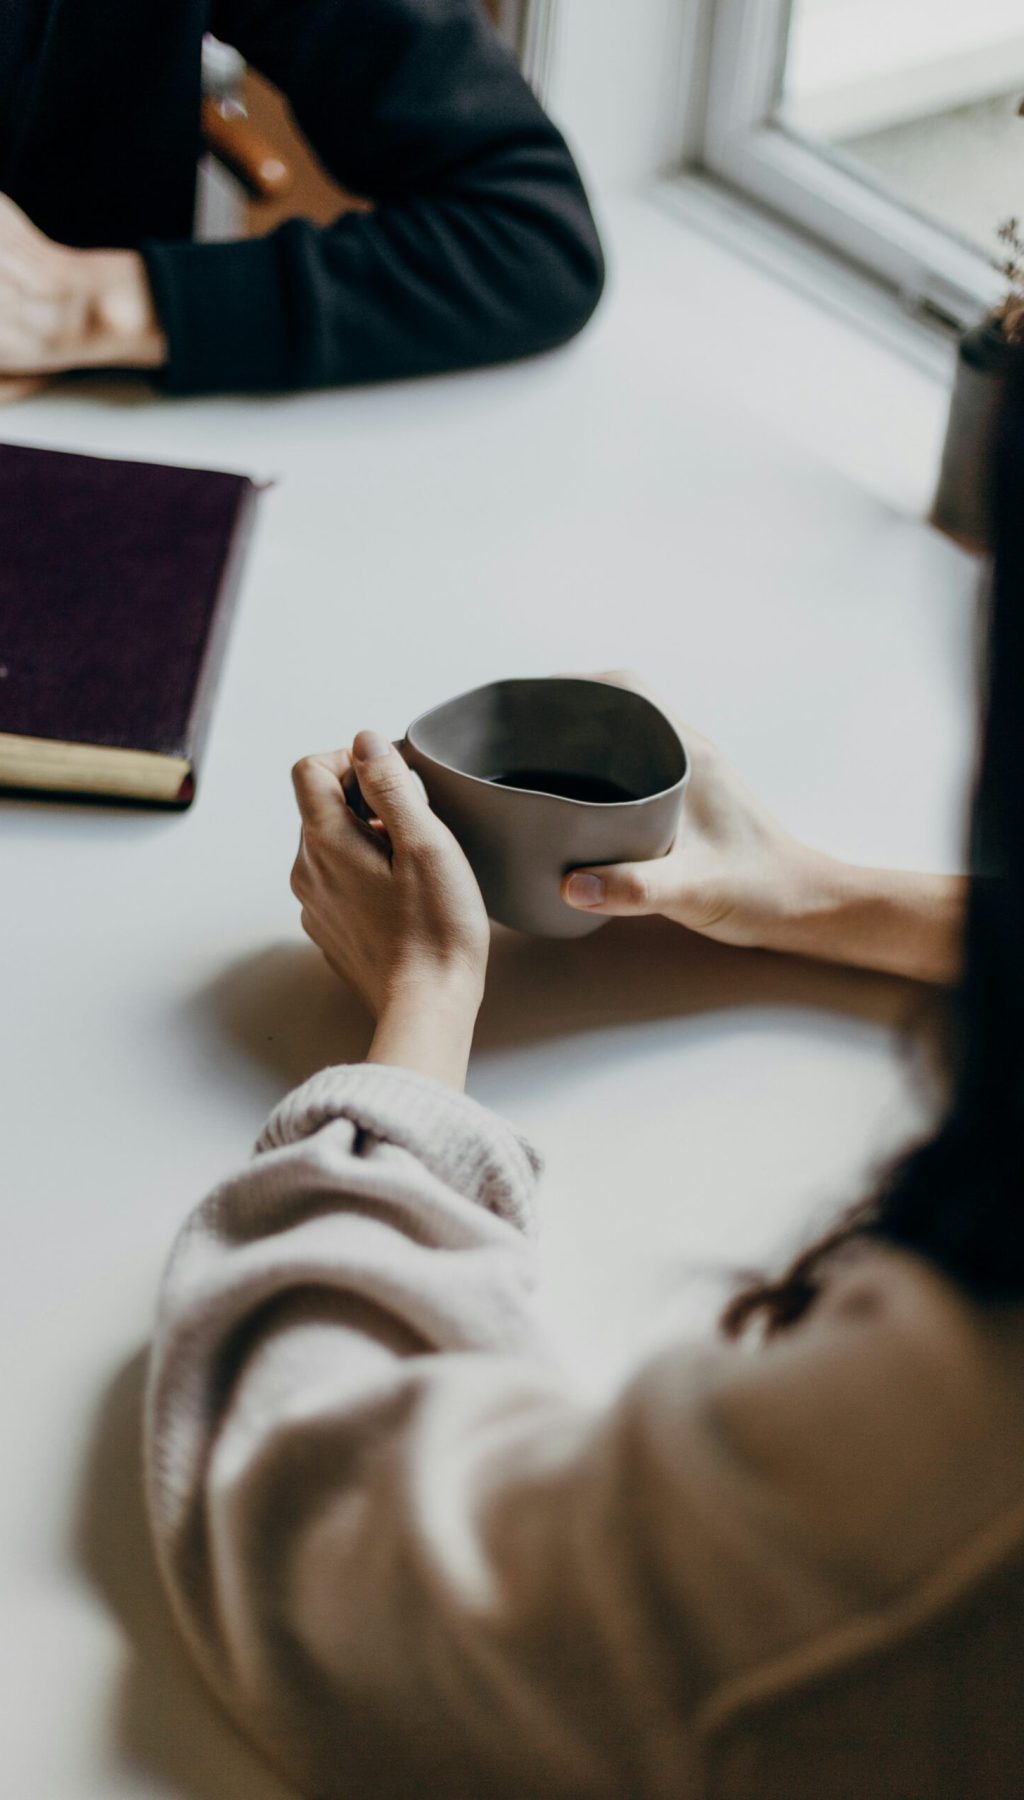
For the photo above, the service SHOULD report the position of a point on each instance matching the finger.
(356, 800)
(619, 890)
(317, 781)
(391, 791)
(297, 878)
(623, 678)
(14, 388)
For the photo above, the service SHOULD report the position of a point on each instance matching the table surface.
(718, 486)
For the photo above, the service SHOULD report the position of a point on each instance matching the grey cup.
(521, 842)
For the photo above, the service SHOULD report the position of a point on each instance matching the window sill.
(807, 342)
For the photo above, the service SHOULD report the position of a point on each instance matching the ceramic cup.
(617, 771)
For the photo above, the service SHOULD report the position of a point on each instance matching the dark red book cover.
(116, 585)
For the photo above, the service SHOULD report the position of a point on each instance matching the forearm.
(891, 920)
(377, 1230)
(480, 246)
(420, 286)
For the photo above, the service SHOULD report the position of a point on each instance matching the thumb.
(618, 889)
(392, 793)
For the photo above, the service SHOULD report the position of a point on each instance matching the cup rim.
(539, 793)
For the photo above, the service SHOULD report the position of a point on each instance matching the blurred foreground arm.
(480, 244)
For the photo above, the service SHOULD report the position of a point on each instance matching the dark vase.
(963, 499)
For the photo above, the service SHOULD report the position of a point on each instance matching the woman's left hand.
(735, 874)
(394, 907)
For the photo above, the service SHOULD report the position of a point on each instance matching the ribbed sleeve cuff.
(224, 310)
(458, 1140)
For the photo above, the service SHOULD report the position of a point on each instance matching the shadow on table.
(164, 1723)
(284, 1010)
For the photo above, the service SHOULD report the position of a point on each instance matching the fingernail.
(370, 746)
(585, 890)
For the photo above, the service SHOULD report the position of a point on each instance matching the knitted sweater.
(412, 1562)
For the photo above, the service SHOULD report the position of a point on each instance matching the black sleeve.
(480, 248)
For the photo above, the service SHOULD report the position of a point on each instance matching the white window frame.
(934, 271)
(530, 27)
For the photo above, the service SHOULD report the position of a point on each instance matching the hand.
(71, 309)
(393, 905)
(19, 388)
(733, 872)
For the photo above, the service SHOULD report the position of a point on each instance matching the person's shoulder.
(883, 1429)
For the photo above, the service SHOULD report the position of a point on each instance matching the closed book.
(117, 581)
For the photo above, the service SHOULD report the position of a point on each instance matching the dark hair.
(958, 1199)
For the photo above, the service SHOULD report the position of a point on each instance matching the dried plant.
(1010, 263)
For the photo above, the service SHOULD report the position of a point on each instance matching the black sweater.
(480, 247)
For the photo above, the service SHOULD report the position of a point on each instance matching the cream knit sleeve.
(406, 1556)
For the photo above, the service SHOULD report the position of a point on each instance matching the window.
(889, 128)
(529, 26)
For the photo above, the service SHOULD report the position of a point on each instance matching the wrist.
(893, 921)
(813, 895)
(122, 329)
(427, 1024)
(454, 988)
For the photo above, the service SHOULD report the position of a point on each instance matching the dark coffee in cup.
(596, 789)
(535, 778)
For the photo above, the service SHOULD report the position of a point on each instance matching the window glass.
(920, 97)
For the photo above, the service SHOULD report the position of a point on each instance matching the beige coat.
(412, 1562)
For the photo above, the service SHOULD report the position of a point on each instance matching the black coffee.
(595, 788)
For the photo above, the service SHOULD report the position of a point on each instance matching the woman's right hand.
(734, 873)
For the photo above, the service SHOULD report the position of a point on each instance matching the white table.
(717, 486)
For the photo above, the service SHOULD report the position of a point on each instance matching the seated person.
(413, 1562)
(478, 246)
